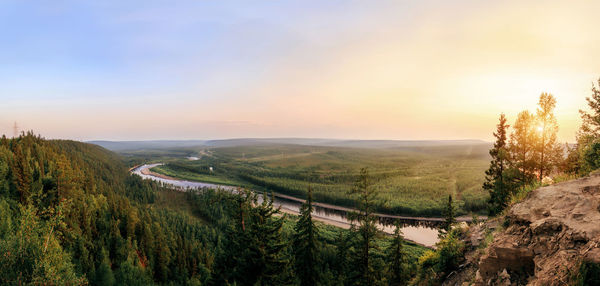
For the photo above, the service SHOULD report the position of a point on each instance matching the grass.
(410, 180)
(170, 171)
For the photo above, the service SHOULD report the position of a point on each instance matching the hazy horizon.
(387, 70)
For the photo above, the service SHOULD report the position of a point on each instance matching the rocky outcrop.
(546, 235)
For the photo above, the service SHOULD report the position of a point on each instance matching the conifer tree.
(21, 173)
(269, 245)
(588, 134)
(104, 274)
(449, 214)
(396, 260)
(548, 151)
(495, 182)
(590, 127)
(367, 228)
(305, 245)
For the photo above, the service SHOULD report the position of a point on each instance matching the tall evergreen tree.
(367, 228)
(255, 252)
(589, 134)
(548, 151)
(494, 180)
(21, 173)
(305, 245)
(449, 214)
(590, 127)
(396, 259)
(269, 246)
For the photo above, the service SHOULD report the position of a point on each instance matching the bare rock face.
(547, 234)
(506, 257)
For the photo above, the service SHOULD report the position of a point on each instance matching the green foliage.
(588, 136)
(255, 251)
(305, 245)
(365, 265)
(591, 156)
(410, 180)
(495, 182)
(80, 218)
(435, 265)
(84, 217)
(533, 152)
(449, 217)
(586, 274)
(396, 260)
(32, 254)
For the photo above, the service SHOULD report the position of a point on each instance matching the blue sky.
(344, 69)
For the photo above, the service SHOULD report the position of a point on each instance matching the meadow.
(411, 180)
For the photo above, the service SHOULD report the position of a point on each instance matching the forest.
(72, 215)
(410, 180)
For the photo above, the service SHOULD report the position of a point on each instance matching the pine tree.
(104, 274)
(270, 245)
(305, 245)
(590, 128)
(21, 173)
(548, 151)
(255, 252)
(397, 260)
(449, 214)
(588, 134)
(367, 228)
(521, 147)
(495, 182)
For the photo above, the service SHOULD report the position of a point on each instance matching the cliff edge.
(543, 240)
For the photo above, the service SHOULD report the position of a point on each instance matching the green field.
(411, 180)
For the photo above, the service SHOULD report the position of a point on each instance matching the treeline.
(70, 214)
(532, 155)
(260, 246)
(410, 183)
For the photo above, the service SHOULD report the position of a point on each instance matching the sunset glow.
(370, 70)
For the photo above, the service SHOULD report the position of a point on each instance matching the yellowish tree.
(522, 145)
(548, 151)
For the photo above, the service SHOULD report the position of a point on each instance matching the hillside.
(119, 146)
(70, 214)
(552, 237)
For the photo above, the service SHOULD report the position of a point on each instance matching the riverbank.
(420, 230)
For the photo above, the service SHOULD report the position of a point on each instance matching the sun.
(540, 128)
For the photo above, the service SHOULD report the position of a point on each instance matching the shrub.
(435, 265)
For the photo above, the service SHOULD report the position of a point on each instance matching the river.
(419, 230)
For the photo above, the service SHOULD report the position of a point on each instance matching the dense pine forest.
(70, 214)
(411, 180)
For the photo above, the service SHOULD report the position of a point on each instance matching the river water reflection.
(419, 230)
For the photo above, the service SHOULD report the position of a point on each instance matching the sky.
(410, 70)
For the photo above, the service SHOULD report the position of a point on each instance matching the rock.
(478, 280)
(547, 181)
(502, 257)
(593, 256)
(546, 226)
(503, 279)
(547, 234)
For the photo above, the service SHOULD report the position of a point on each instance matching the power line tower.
(15, 130)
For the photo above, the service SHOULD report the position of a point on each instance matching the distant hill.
(140, 145)
(170, 144)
